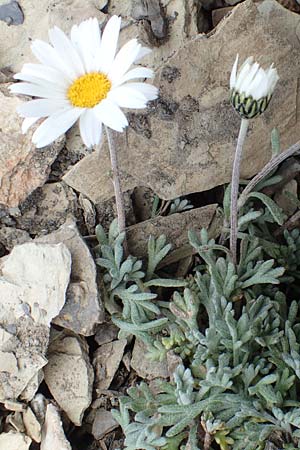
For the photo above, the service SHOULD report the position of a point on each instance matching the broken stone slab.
(28, 345)
(23, 168)
(219, 14)
(175, 227)
(12, 405)
(32, 386)
(103, 423)
(53, 436)
(83, 309)
(33, 283)
(46, 209)
(151, 11)
(8, 363)
(15, 422)
(32, 425)
(11, 13)
(10, 237)
(106, 361)
(144, 367)
(192, 128)
(106, 332)
(14, 441)
(69, 374)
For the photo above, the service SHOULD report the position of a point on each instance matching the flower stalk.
(116, 180)
(235, 188)
(251, 89)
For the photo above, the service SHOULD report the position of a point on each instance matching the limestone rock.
(47, 209)
(28, 345)
(39, 16)
(219, 14)
(53, 436)
(103, 423)
(82, 310)
(144, 367)
(106, 332)
(175, 227)
(23, 168)
(192, 129)
(32, 386)
(39, 406)
(106, 362)
(10, 237)
(34, 279)
(32, 425)
(14, 441)
(12, 405)
(69, 375)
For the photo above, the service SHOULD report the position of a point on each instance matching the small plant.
(128, 287)
(233, 325)
(164, 207)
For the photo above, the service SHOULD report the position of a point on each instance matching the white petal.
(126, 97)
(36, 90)
(242, 75)
(247, 62)
(259, 86)
(109, 43)
(47, 55)
(272, 78)
(28, 122)
(90, 128)
(137, 72)
(249, 78)
(149, 91)
(41, 107)
(233, 73)
(48, 85)
(46, 73)
(111, 115)
(125, 57)
(66, 51)
(56, 125)
(144, 51)
(86, 39)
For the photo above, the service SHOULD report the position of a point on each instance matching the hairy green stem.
(116, 182)
(271, 165)
(235, 189)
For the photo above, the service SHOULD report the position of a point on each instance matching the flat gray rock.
(103, 423)
(33, 283)
(175, 227)
(144, 367)
(23, 168)
(106, 362)
(83, 309)
(69, 374)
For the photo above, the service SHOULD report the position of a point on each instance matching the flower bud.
(251, 88)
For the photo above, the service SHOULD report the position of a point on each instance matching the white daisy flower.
(83, 78)
(252, 87)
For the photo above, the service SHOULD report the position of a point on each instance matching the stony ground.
(60, 357)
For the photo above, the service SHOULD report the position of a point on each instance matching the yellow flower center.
(88, 90)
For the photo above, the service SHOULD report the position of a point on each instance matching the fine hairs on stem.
(235, 189)
(116, 182)
(271, 165)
